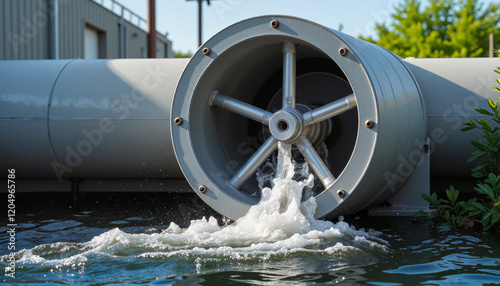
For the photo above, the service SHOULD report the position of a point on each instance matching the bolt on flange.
(206, 51)
(343, 51)
(202, 189)
(341, 193)
(274, 24)
(178, 121)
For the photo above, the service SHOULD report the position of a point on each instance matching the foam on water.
(281, 225)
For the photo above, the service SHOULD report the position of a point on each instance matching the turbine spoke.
(247, 110)
(257, 159)
(289, 74)
(318, 166)
(330, 110)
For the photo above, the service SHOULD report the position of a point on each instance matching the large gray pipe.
(105, 119)
(452, 90)
(125, 119)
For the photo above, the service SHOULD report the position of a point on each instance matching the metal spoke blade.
(247, 110)
(257, 159)
(325, 176)
(330, 110)
(289, 73)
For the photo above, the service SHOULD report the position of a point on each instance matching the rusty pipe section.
(88, 118)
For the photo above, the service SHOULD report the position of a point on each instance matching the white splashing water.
(279, 221)
(278, 226)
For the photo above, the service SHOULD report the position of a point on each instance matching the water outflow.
(281, 221)
(281, 213)
(281, 225)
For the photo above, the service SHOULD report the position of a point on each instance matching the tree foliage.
(181, 54)
(444, 28)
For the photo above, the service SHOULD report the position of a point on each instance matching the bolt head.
(274, 24)
(341, 193)
(369, 124)
(343, 51)
(206, 51)
(202, 189)
(178, 121)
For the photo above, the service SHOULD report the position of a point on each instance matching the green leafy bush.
(450, 212)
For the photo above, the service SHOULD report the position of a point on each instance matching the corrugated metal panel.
(136, 41)
(78, 14)
(2, 29)
(8, 29)
(68, 33)
(7, 25)
(24, 30)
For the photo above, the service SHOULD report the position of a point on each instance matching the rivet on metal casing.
(178, 121)
(202, 189)
(369, 124)
(274, 24)
(341, 193)
(343, 51)
(206, 51)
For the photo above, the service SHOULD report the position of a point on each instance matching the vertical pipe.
(151, 29)
(53, 29)
(492, 45)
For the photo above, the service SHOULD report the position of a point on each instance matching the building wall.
(74, 16)
(137, 42)
(24, 30)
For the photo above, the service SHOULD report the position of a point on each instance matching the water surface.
(113, 242)
(174, 239)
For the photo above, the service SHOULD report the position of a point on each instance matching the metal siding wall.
(164, 49)
(8, 28)
(24, 29)
(17, 23)
(62, 30)
(28, 21)
(2, 29)
(67, 33)
(79, 13)
(62, 19)
(160, 48)
(135, 44)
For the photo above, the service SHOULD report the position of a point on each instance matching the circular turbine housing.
(212, 144)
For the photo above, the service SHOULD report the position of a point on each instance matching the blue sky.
(180, 17)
